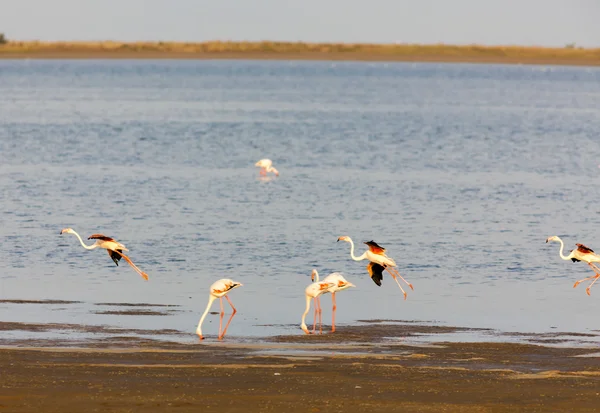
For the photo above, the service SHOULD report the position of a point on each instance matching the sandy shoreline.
(278, 50)
(365, 57)
(355, 370)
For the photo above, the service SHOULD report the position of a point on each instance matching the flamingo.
(378, 262)
(340, 284)
(115, 249)
(582, 253)
(312, 292)
(219, 289)
(266, 165)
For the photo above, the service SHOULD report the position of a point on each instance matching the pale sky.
(490, 22)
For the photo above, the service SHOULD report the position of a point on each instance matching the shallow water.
(460, 171)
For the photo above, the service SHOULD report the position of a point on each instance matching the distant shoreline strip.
(569, 55)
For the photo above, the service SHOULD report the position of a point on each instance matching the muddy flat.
(343, 372)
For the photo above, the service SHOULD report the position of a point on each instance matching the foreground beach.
(302, 51)
(358, 369)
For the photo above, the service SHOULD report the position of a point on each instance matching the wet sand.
(357, 369)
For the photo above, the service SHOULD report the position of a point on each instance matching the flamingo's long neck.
(87, 247)
(210, 301)
(315, 276)
(355, 258)
(303, 324)
(562, 246)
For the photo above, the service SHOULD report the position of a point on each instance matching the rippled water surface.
(460, 171)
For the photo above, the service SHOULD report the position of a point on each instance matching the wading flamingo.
(115, 249)
(582, 253)
(378, 262)
(312, 292)
(219, 289)
(340, 284)
(266, 165)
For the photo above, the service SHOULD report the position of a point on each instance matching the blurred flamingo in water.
(266, 165)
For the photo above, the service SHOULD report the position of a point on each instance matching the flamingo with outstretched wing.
(379, 261)
(115, 249)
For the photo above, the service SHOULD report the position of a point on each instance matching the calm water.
(461, 171)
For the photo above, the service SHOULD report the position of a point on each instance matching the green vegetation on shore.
(299, 50)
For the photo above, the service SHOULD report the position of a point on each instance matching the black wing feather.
(376, 272)
(232, 286)
(115, 256)
(375, 245)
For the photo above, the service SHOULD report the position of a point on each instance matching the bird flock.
(332, 283)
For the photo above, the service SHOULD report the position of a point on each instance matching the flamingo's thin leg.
(221, 317)
(333, 312)
(135, 267)
(587, 290)
(585, 279)
(395, 279)
(402, 278)
(231, 304)
(320, 316)
(227, 325)
(140, 272)
(594, 267)
(315, 318)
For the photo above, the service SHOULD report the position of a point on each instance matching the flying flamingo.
(312, 292)
(219, 289)
(266, 165)
(378, 262)
(115, 249)
(339, 284)
(582, 253)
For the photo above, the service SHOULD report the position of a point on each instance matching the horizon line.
(568, 45)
